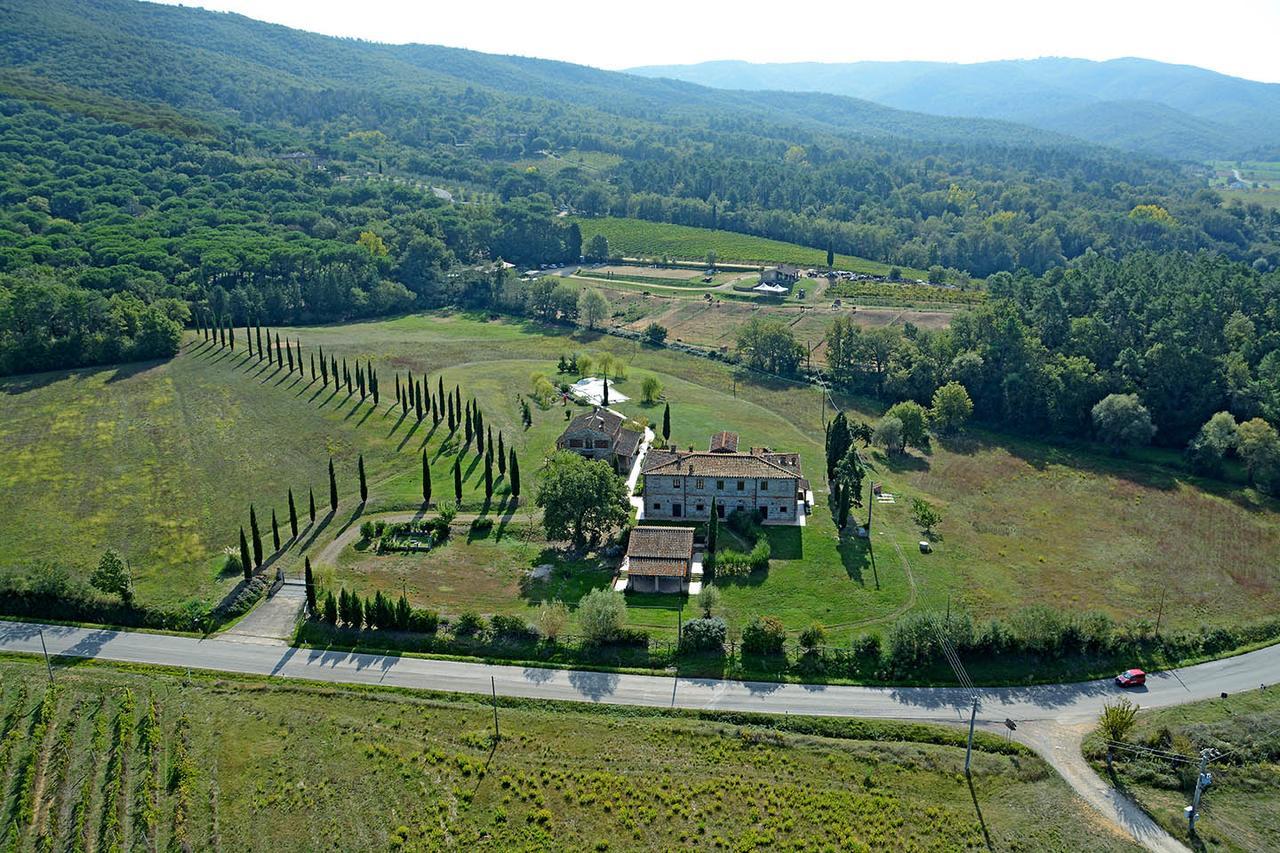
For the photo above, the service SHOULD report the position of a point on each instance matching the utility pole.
(968, 750)
(47, 664)
(493, 686)
(1203, 780)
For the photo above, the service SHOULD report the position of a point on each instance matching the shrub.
(481, 526)
(866, 646)
(812, 637)
(379, 527)
(760, 553)
(746, 523)
(368, 532)
(602, 614)
(553, 616)
(469, 624)
(763, 635)
(706, 634)
(448, 511)
(730, 564)
(231, 564)
(423, 621)
(511, 628)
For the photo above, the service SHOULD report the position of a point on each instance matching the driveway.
(271, 622)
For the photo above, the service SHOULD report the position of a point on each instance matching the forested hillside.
(153, 152)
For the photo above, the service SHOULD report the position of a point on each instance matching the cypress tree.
(297, 345)
(457, 479)
(311, 503)
(279, 357)
(357, 612)
(248, 338)
(666, 422)
(333, 368)
(258, 331)
(502, 456)
(246, 566)
(257, 537)
(288, 351)
(364, 488)
(311, 585)
(404, 401)
(453, 422)
(374, 379)
(440, 390)
(426, 480)
(514, 467)
(435, 411)
(346, 372)
(417, 401)
(313, 367)
(713, 528)
(222, 337)
(360, 381)
(467, 428)
(479, 434)
(330, 608)
(275, 531)
(488, 477)
(293, 515)
(457, 403)
(333, 488)
(604, 396)
(324, 368)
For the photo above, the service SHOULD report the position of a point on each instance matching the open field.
(640, 238)
(153, 759)
(1238, 811)
(162, 461)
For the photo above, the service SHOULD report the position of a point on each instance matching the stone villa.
(601, 434)
(681, 484)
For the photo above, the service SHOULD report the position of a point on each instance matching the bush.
(481, 526)
(706, 634)
(553, 616)
(728, 563)
(511, 628)
(746, 523)
(469, 624)
(423, 621)
(812, 637)
(760, 553)
(764, 635)
(602, 614)
(866, 647)
(368, 532)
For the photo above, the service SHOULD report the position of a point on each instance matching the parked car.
(1131, 678)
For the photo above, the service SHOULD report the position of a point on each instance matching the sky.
(1236, 37)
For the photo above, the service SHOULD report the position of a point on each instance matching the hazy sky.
(1232, 36)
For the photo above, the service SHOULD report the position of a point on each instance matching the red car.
(1131, 678)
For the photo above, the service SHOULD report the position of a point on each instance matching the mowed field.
(150, 759)
(162, 460)
(638, 238)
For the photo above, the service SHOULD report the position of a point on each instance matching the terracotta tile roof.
(666, 543)
(706, 464)
(600, 419)
(724, 442)
(627, 442)
(654, 567)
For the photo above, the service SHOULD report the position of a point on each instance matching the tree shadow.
(856, 555)
(903, 462)
(408, 435)
(786, 541)
(396, 425)
(316, 530)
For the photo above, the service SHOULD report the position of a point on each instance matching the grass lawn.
(640, 238)
(155, 759)
(162, 460)
(1239, 809)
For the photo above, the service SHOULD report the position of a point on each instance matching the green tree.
(655, 334)
(581, 499)
(769, 345)
(925, 515)
(598, 248)
(1259, 449)
(915, 422)
(293, 516)
(311, 504)
(502, 456)
(1218, 437)
(257, 537)
(333, 488)
(666, 422)
(330, 608)
(838, 442)
(246, 564)
(457, 480)
(1121, 421)
(364, 486)
(951, 408)
(311, 585)
(113, 576)
(488, 476)
(426, 480)
(713, 527)
(602, 615)
(650, 390)
(831, 256)
(708, 600)
(275, 532)
(593, 308)
(888, 434)
(1115, 723)
(553, 617)
(513, 465)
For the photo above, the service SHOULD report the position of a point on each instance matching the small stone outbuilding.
(658, 559)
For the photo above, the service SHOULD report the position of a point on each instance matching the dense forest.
(151, 153)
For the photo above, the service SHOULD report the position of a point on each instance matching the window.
(702, 507)
(602, 444)
(575, 442)
(720, 485)
(764, 510)
(742, 484)
(782, 510)
(675, 482)
(697, 484)
(764, 485)
(657, 505)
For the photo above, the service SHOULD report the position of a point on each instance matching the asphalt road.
(1051, 718)
(1063, 704)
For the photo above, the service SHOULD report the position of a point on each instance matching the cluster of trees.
(1181, 336)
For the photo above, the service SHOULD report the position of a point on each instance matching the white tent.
(773, 289)
(591, 389)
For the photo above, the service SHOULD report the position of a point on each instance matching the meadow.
(1238, 810)
(162, 461)
(125, 758)
(640, 238)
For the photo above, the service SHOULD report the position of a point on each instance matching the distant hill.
(1137, 104)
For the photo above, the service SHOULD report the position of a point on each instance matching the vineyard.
(905, 294)
(142, 759)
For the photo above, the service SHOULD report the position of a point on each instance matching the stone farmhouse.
(681, 484)
(659, 559)
(783, 274)
(601, 434)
